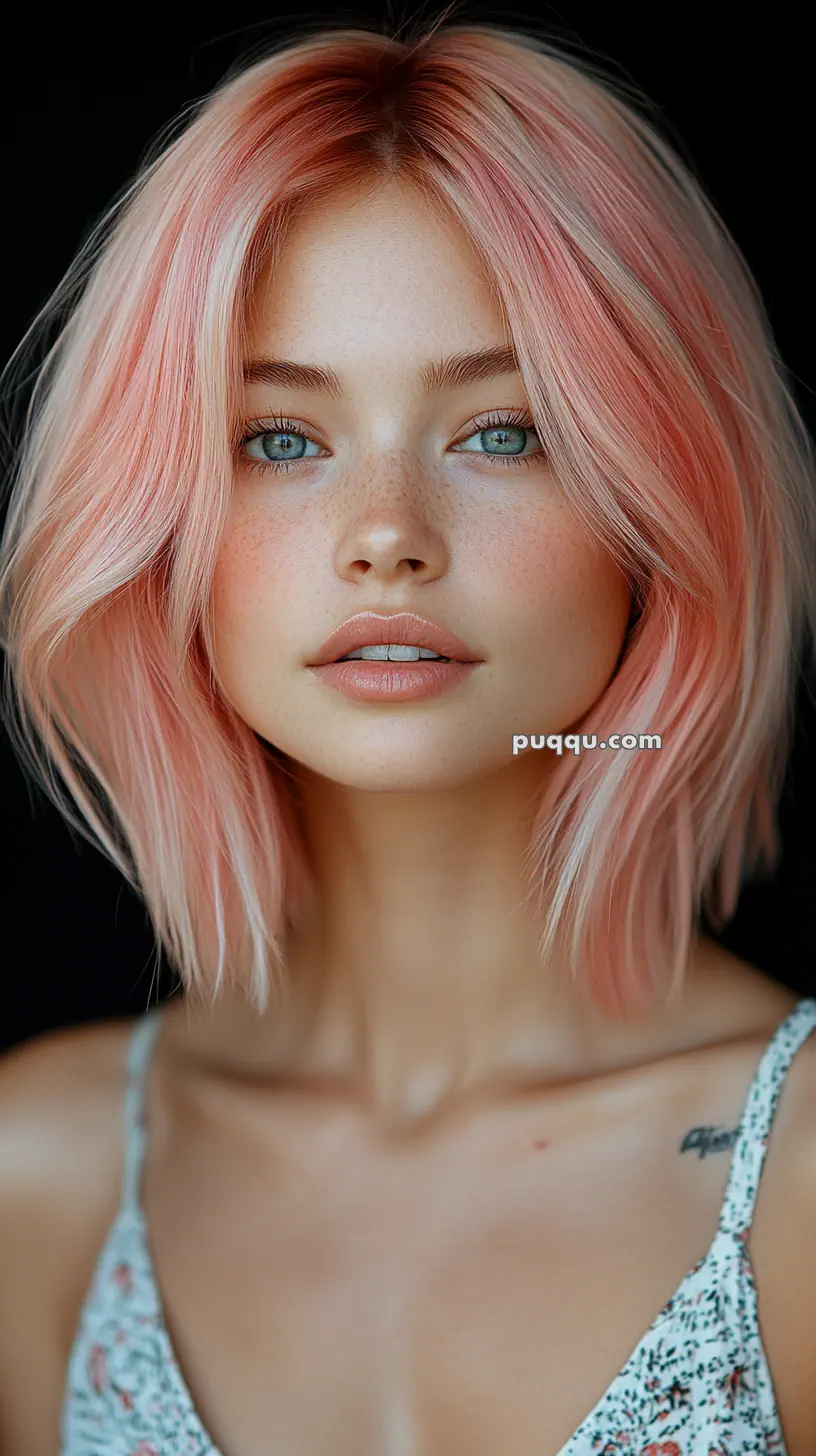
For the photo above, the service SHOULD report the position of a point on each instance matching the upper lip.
(368, 629)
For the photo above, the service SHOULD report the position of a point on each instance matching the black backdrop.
(82, 99)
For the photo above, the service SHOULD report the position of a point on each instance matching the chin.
(387, 772)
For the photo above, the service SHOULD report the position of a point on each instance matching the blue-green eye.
(286, 443)
(501, 437)
(506, 439)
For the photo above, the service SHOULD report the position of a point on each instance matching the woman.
(404, 351)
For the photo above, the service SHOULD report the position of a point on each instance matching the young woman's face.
(393, 500)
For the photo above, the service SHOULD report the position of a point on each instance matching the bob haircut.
(656, 388)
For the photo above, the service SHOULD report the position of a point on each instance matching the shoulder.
(60, 1170)
(781, 1251)
(55, 1104)
(744, 1007)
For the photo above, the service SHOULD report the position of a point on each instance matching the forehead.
(376, 264)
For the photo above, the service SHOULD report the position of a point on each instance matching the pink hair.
(656, 388)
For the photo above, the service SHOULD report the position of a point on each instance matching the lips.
(368, 629)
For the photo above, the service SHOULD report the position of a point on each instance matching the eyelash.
(280, 425)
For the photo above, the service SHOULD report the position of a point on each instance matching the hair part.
(656, 389)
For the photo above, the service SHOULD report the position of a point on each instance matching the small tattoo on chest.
(708, 1140)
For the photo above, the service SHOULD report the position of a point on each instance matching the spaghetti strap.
(140, 1047)
(760, 1106)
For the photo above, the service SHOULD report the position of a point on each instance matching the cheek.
(255, 594)
(258, 568)
(560, 597)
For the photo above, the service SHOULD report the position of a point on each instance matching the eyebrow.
(453, 372)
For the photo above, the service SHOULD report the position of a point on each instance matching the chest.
(481, 1298)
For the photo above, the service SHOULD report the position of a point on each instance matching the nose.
(389, 540)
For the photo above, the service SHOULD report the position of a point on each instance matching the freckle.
(540, 1145)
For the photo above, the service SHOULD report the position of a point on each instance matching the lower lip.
(393, 682)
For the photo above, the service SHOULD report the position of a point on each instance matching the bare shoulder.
(55, 1105)
(739, 1005)
(60, 1171)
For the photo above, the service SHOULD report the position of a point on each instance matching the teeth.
(393, 652)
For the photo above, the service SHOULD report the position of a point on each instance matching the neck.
(416, 976)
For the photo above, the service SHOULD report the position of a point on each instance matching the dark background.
(83, 95)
